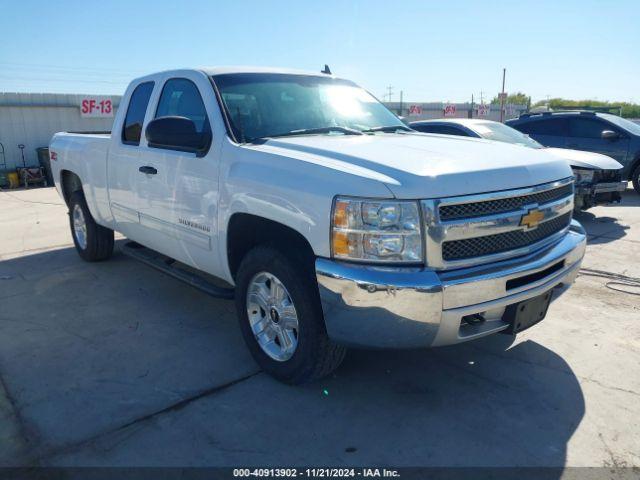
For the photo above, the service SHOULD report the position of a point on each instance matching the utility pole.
(389, 92)
(481, 98)
(400, 109)
(471, 111)
(502, 96)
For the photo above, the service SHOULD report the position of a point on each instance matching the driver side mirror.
(609, 135)
(176, 133)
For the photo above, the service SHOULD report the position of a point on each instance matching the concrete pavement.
(117, 364)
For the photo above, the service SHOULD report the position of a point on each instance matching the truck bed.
(84, 154)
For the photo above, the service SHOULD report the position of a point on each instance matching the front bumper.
(393, 307)
(604, 187)
(586, 196)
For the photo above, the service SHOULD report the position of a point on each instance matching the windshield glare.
(502, 133)
(263, 105)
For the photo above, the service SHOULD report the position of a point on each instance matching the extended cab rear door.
(123, 162)
(177, 190)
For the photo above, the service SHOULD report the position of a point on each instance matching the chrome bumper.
(386, 307)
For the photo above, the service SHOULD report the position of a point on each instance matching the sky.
(430, 50)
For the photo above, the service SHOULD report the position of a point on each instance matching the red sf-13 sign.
(96, 107)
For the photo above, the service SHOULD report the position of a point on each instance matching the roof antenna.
(327, 70)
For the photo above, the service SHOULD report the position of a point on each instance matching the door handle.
(149, 170)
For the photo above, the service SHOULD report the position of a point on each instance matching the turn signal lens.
(340, 244)
(340, 214)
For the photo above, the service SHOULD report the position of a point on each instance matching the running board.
(166, 265)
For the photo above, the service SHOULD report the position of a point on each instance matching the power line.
(390, 90)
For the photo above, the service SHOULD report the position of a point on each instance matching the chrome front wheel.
(272, 316)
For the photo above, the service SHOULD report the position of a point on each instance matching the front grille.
(502, 242)
(492, 207)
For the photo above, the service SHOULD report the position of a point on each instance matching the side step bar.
(166, 265)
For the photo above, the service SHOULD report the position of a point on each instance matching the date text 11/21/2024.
(316, 472)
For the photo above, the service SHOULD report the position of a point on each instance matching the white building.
(30, 119)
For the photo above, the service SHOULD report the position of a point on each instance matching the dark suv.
(594, 132)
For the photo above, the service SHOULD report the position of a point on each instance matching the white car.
(598, 177)
(330, 222)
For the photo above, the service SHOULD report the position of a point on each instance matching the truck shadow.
(605, 229)
(486, 403)
(601, 229)
(86, 349)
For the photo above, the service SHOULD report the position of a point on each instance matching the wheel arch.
(246, 231)
(635, 163)
(69, 183)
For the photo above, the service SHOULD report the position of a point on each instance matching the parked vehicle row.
(330, 221)
(603, 133)
(598, 177)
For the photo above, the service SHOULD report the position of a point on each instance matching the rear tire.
(93, 242)
(635, 178)
(307, 353)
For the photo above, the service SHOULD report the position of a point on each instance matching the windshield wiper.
(388, 128)
(309, 131)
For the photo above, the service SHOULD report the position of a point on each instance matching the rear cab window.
(132, 128)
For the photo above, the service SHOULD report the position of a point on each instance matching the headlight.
(582, 175)
(376, 231)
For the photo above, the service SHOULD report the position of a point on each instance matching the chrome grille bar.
(509, 204)
(501, 242)
(458, 242)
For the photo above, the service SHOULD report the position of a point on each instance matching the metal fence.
(413, 111)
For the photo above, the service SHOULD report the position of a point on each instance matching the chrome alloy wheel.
(79, 226)
(272, 316)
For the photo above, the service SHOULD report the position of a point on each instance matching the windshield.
(265, 105)
(628, 125)
(501, 133)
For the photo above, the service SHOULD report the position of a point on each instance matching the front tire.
(93, 242)
(281, 317)
(635, 178)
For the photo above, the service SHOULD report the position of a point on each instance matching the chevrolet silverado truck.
(330, 222)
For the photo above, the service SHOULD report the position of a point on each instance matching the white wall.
(31, 120)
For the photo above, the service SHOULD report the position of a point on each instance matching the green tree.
(518, 98)
(626, 109)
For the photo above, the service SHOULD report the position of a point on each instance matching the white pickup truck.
(331, 222)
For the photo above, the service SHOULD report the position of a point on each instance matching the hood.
(580, 158)
(416, 165)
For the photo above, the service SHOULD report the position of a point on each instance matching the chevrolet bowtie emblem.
(532, 218)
